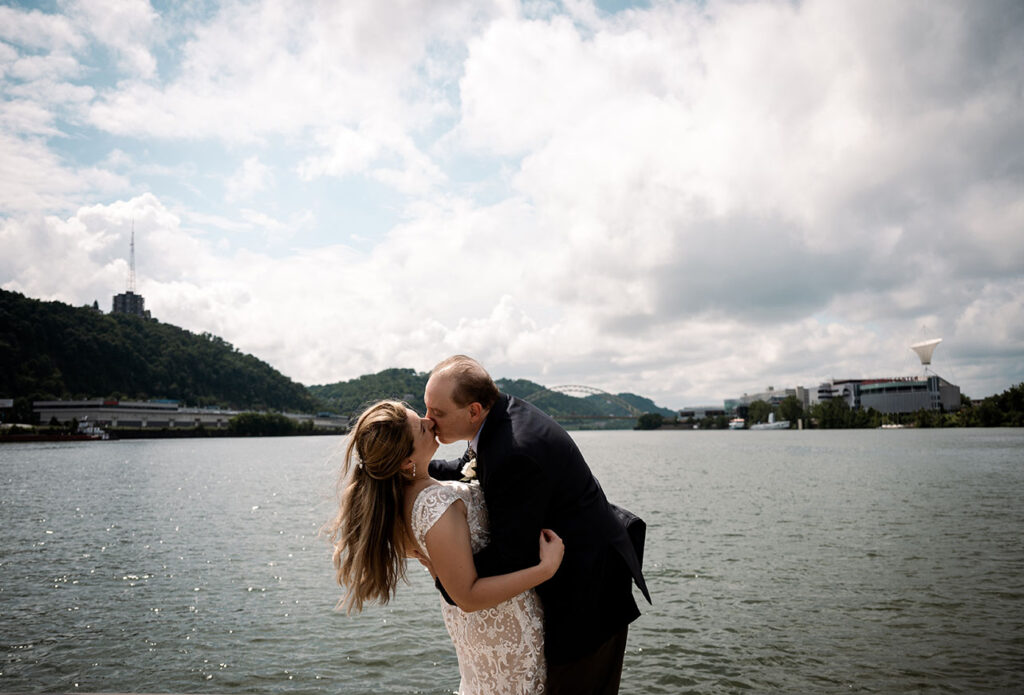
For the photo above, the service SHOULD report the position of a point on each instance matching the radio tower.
(129, 302)
(131, 271)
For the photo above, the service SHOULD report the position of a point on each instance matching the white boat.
(736, 423)
(92, 430)
(771, 424)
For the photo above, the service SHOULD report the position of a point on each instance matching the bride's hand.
(551, 551)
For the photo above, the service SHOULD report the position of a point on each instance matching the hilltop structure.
(128, 302)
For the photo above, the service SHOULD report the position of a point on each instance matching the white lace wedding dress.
(501, 649)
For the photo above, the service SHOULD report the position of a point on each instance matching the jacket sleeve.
(517, 494)
(439, 469)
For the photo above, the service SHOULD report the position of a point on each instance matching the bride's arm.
(452, 559)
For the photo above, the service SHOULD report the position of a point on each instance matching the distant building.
(155, 414)
(888, 395)
(130, 303)
(891, 395)
(700, 412)
(772, 397)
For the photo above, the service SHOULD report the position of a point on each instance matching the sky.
(686, 200)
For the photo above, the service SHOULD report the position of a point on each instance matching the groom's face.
(451, 422)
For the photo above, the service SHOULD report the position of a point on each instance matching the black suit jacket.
(533, 476)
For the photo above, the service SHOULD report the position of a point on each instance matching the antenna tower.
(131, 271)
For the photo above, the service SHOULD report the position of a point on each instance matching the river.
(790, 562)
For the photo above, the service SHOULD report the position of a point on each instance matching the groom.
(533, 477)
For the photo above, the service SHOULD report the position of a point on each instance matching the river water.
(789, 562)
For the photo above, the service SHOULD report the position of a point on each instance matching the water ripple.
(801, 562)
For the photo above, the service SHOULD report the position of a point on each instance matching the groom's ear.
(474, 410)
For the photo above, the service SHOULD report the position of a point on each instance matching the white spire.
(925, 349)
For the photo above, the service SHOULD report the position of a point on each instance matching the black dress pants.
(597, 673)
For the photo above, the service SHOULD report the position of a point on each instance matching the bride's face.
(424, 444)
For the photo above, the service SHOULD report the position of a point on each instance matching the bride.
(391, 509)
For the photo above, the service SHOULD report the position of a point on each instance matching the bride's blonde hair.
(369, 531)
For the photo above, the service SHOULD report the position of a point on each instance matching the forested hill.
(350, 397)
(54, 350)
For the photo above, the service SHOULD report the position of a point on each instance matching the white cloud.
(251, 178)
(126, 26)
(38, 30)
(33, 179)
(683, 200)
(275, 67)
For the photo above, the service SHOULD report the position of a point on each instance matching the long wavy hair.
(369, 532)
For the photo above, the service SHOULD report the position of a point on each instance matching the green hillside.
(53, 350)
(350, 397)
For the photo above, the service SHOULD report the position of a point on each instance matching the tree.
(261, 425)
(832, 414)
(791, 409)
(649, 421)
(758, 412)
(989, 414)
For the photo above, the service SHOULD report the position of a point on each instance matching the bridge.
(580, 390)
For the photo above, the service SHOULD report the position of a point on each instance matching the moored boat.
(771, 424)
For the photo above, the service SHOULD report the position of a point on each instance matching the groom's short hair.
(471, 382)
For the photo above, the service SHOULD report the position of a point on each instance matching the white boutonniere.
(469, 470)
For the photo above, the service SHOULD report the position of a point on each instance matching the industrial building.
(772, 397)
(154, 414)
(888, 395)
(892, 395)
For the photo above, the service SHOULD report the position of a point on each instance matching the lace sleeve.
(429, 506)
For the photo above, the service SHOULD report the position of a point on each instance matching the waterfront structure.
(897, 395)
(700, 412)
(888, 395)
(772, 397)
(772, 424)
(893, 395)
(156, 414)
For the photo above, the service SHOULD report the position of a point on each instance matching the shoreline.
(114, 435)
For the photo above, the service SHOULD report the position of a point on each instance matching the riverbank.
(22, 436)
